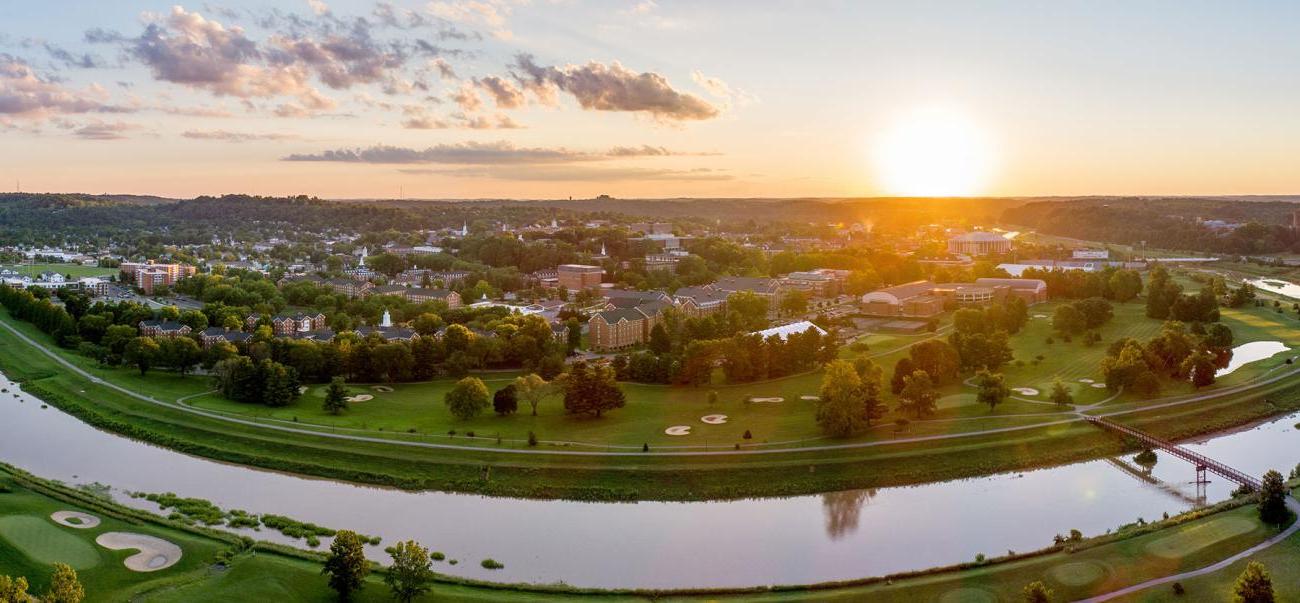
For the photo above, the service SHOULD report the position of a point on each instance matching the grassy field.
(807, 467)
(262, 573)
(75, 270)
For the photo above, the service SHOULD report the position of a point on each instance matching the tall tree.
(1254, 585)
(660, 342)
(591, 390)
(532, 388)
(142, 352)
(411, 573)
(64, 586)
(993, 389)
(918, 396)
(346, 564)
(1061, 393)
(467, 398)
(1272, 499)
(336, 397)
(839, 410)
(902, 369)
(505, 401)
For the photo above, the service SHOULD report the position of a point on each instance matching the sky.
(649, 98)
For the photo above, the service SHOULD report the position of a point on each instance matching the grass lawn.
(75, 270)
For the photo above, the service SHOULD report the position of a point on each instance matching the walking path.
(430, 445)
(1209, 569)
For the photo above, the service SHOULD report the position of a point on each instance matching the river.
(800, 539)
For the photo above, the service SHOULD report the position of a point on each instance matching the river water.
(800, 539)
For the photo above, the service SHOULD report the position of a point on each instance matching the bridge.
(1201, 462)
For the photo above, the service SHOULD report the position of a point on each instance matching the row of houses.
(626, 317)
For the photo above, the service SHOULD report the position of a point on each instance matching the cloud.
(99, 130)
(69, 59)
(319, 7)
(466, 96)
(600, 87)
(489, 14)
(23, 93)
(444, 68)
(506, 94)
(721, 89)
(576, 173)
(228, 136)
(475, 153)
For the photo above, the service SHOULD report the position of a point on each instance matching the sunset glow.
(933, 152)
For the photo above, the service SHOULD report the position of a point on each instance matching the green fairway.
(73, 270)
(44, 541)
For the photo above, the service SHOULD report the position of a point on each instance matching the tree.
(1068, 320)
(591, 390)
(749, 310)
(1125, 285)
(902, 369)
(64, 586)
(660, 342)
(336, 397)
(13, 590)
(411, 574)
(794, 303)
(839, 412)
(993, 389)
(1201, 366)
(427, 324)
(532, 389)
(918, 395)
(505, 401)
(180, 353)
(873, 387)
(1037, 592)
(1061, 393)
(346, 564)
(279, 383)
(940, 361)
(1254, 585)
(141, 351)
(467, 398)
(573, 340)
(1272, 499)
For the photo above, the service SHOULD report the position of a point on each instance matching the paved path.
(525, 451)
(1209, 569)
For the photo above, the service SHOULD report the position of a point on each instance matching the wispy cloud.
(228, 136)
(478, 153)
(613, 87)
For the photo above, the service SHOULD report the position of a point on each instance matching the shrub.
(1178, 589)
(437, 556)
(492, 564)
(748, 436)
(532, 439)
(645, 448)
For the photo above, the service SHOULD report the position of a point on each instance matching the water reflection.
(843, 509)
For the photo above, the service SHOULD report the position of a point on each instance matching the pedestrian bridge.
(1203, 463)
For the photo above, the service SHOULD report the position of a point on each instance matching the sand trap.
(678, 430)
(1086, 380)
(383, 389)
(359, 398)
(714, 419)
(1098, 385)
(1040, 316)
(74, 519)
(810, 398)
(767, 400)
(302, 389)
(155, 553)
(1025, 391)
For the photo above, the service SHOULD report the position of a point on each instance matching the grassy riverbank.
(486, 467)
(217, 566)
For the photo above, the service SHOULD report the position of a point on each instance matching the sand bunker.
(383, 389)
(1098, 385)
(1086, 380)
(1040, 316)
(74, 519)
(1025, 391)
(155, 553)
(714, 419)
(767, 400)
(810, 398)
(678, 430)
(302, 389)
(359, 398)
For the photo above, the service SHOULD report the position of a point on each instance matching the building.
(163, 328)
(765, 287)
(700, 301)
(148, 275)
(1031, 290)
(823, 282)
(628, 298)
(911, 299)
(785, 331)
(1090, 254)
(387, 330)
(349, 287)
(447, 296)
(979, 243)
(94, 286)
(661, 261)
(289, 325)
(620, 328)
(578, 277)
(212, 335)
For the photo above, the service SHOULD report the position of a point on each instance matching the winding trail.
(1074, 417)
(1209, 569)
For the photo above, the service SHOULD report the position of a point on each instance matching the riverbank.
(630, 476)
(221, 566)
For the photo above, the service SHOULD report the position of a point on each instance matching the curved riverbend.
(804, 539)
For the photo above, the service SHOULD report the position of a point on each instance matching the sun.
(933, 152)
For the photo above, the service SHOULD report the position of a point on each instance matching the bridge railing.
(1200, 460)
